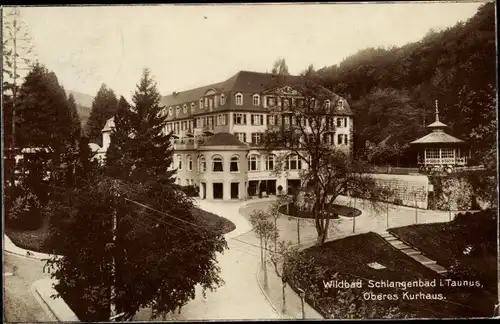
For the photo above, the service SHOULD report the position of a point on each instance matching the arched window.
(222, 99)
(239, 99)
(256, 100)
(235, 164)
(201, 103)
(185, 109)
(253, 163)
(190, 163)
(327, 104)
(170, 111)
(177, 110)
(217, 164)
(203, 164)
(179, 162)
(270, 162)
(192, 107)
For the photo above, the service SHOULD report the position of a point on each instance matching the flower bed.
(338, 210)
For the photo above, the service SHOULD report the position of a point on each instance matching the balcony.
(188, 132)
(185, 144)
(207, 129)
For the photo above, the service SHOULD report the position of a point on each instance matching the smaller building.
(439, 151)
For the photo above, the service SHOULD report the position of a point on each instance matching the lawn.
(337, 210)
(213, 222)
(446, 242)
(349, 257)
(33, 240)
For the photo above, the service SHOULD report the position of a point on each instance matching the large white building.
(217, 131)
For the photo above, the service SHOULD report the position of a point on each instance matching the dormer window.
(239, 99)
(222, 99)
(184, 109)
(206, 102)
(271, 101)
(192, 107)
(341, 104)
(327, 104)
(256, 100)
(170, 111)
(177, 109)
(201, 103)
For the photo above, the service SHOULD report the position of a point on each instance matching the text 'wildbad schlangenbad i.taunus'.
(400, 288)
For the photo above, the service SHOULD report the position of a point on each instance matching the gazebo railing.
(443, 161)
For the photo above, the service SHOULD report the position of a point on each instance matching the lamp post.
(387, 213)
(302, 295)
(416, 208)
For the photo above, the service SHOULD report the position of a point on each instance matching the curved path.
(240, 298)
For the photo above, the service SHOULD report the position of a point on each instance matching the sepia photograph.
(250, 161)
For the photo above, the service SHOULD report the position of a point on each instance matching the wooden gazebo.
(439, 151)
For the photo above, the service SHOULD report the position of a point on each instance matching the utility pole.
(13, 24)
(112, 299)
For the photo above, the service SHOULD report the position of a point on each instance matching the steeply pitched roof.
(110, 124)
(437, 137)
(244, 82)
(437, 124)
(223, 139)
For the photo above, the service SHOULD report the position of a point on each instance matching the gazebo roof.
(437, 137)
(437, 124)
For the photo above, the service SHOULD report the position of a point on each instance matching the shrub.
(398, 201)
(25, 212)
(190, 190)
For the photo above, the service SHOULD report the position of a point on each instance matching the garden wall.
(456, 192)
(409, 190)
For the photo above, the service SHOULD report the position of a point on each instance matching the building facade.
(217, 131)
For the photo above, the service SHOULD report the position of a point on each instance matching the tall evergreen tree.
(158, 260)
(104, 107)
(150, 153)
(76, 130)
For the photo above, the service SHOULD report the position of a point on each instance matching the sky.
(188, 46)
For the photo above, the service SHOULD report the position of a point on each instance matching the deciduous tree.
(329, 169)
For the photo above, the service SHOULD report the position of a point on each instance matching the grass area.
(29, 239)
(337, 210)
(33, 240)
(446, 242)
(349, 258)
(213, 222)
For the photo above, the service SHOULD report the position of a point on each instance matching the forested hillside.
(393, 90)
(83, 105)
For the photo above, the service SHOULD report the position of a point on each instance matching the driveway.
(20, 304)
(240, 297)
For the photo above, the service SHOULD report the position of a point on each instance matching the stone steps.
(413, 253)
(423, 259)
(437, 268)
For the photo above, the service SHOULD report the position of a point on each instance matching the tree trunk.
(283, 286)
(275, 237)
(261, 252)
(266, 284)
